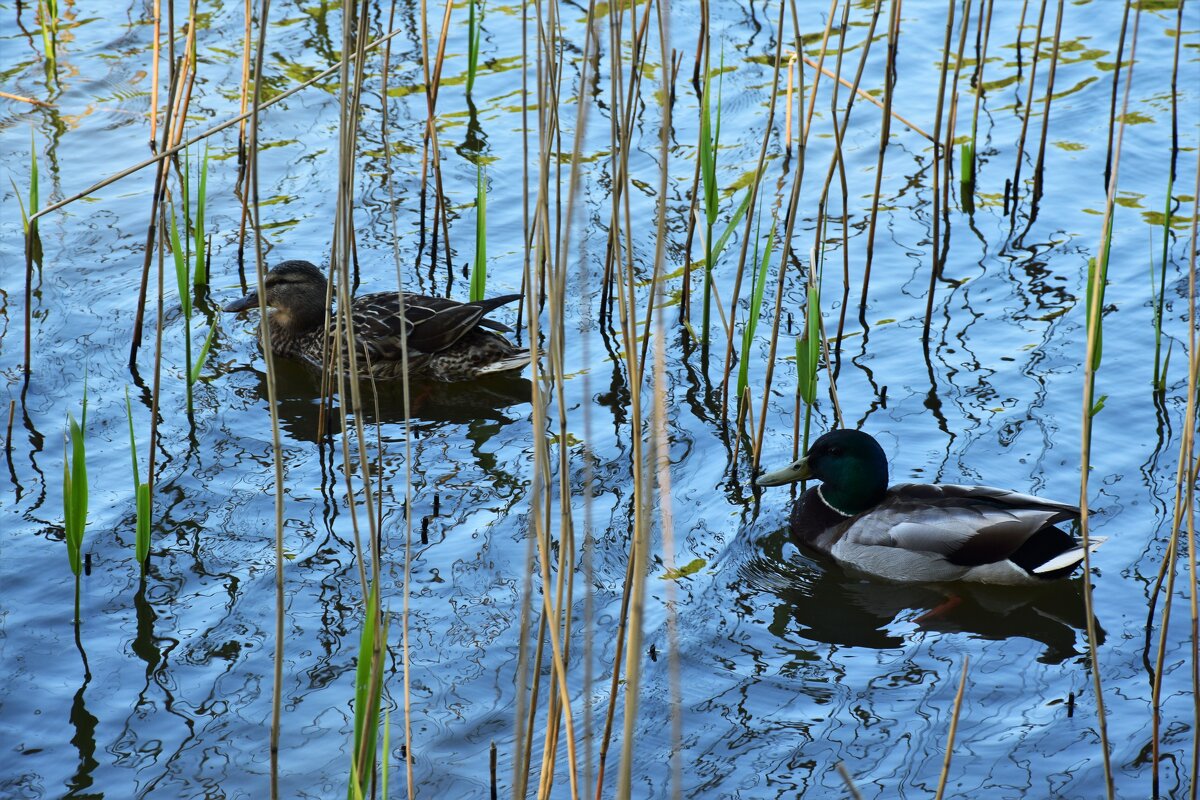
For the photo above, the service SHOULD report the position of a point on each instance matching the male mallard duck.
(447, 340)
(923, 532)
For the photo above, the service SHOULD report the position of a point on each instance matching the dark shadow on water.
(820, 601)
(433, 402)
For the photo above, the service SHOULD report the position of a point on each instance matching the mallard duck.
(447, 340)
(923, 532)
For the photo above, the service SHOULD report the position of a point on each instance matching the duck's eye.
(835, 451)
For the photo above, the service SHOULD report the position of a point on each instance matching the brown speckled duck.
(923, 532)
(447, 340)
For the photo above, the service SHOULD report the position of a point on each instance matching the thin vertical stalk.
(958, 699)
(885, 132)
(1096, 283)
(935, 267)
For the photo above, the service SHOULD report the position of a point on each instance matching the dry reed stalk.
(819, 66)
(1093, 332)
(154, 59)
(406, 394)
(521, 747)
(948, 141)
(703, 46)
(431, 152)
(22, 99)
(935, 267)
(870, 98)
(244, 100)
(272, 405)
(1041, 156)
(752, 203)
(785, 252)
(1037, 49)
(156, 197)
(837, 164)
(958, 699)
(1193, 389)
(1112, 103)
(1184, 506)
(848, 780)
(170, 151)
(662, 443)
(885, 130)
(793, 58)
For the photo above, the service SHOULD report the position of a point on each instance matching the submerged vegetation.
(625, 174)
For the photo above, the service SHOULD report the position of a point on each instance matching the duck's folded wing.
(431, 324)
(966, 525)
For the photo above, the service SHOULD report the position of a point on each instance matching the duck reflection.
(822, 602)
(433, 403)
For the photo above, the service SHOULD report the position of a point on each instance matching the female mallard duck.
(446, 340)
(923, 532)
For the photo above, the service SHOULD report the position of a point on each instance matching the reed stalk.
(1097, 277)
(1182, 519)
(958, 699)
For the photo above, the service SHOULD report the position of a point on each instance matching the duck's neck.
(853, 496)
(287, 338)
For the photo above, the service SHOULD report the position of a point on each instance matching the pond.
(506, 510)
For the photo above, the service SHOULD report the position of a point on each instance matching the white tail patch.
(1071, 557)
(506, 365)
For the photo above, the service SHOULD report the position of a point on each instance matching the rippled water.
(787, 665)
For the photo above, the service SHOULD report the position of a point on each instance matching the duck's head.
(295, 290)
(851, 466)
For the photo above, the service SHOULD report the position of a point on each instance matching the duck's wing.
(966, 525)
(431, 324)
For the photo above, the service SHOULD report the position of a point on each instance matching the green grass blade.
(132, 440)
(756, 296)
(200, 273)
(194, 373)
(181, 268)
(368, 691)
(724, 237)
(479, 265)
(143, 522)
(75, 490)
(474, 35)
(387, 749)
(808, 348)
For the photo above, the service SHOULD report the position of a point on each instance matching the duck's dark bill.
(789, 474)
(249, 301)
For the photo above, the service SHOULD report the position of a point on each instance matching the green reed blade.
(132, 440)
(368, 691)
(756, 296)
(181, 268)
(479, 265)
(142, 539)
(141, 492)
(387, 748)
(723, 239)
(194, 374)
(474, 36)
(808, 348)
(200, 273)
(75, 489)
